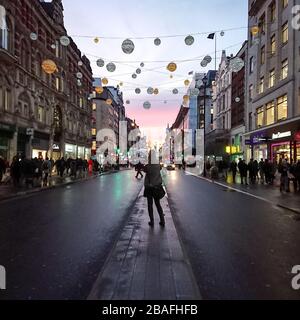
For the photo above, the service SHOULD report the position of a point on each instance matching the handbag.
(158, 192)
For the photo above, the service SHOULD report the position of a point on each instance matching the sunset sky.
(154, 18)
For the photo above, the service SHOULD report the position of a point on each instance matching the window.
(261, 84)
(40, 114)
(262, 24)
(270, 113)
(80, 103)
(282, 108)
(251, 64)
(272, 78)
(285, 33)
(273, 44)
(260, 117)
(285, 3)
(273, 11)
(4, 34)
(57, 83)
(284, 69)
(263, 55)
(25, 110)
(7, 100)
(94, 132)
(251, 92)
(94, 106)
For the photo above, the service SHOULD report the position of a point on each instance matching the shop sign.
(30, 132)
(55, 147)
(280, 135)
(259, 137)
(297, 136)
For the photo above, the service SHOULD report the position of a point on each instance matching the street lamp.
(205, 81)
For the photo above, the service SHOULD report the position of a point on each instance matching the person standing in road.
(154, 189)
(138, 169)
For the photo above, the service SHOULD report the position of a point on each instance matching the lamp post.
(205, 81)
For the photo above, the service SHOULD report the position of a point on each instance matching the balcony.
(7, 57)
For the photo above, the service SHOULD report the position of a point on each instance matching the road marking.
(231, 188)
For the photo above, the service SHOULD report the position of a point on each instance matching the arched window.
(5, 32)
(24, 105)
(25, 55)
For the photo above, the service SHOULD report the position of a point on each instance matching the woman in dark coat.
(153, 188)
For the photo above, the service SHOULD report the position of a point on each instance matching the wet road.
(240, 247)
(54, 244)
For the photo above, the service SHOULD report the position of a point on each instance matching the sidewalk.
(146, 263)
(269, 193)
(9, 192)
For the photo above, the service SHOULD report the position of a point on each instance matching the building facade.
(273, 82)
(42, 114)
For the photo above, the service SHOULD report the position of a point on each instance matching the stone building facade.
(273, 81)
(42, 114)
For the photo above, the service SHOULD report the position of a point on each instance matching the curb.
(41, 189)
(245, 192)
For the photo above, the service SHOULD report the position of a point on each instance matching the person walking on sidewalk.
(153, 188)
(46, 167)
(284, 179)
(233, 169)
(243, 168)
(261, 167)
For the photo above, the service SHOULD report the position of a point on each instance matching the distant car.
(170, 166)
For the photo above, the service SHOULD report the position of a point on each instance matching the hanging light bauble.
(156, 91)
(255, 30)
(96, 40)
(236, 64)
(65, 41)
(187, 83)
(142, 65)
(172, 67)
(105, 81)
(49, 66)
(175, 91)
(128, 46)
(99, 90)
(150, 90)
(111, 67)
(100, 63)
(138, 71)
(33, 36)
(189, 40)
(147, 105)
(157, 42)
(137, 90)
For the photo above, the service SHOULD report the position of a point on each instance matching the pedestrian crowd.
(282, 173)
(35, 172)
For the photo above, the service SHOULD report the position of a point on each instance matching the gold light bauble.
(105, 81)
(156, 91)
(186, 83)
(96, 40)
(255, 30)
(172, 67)
(99, 90)
(109, 101)
(49, 66)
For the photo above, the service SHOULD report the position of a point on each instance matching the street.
(240, 247)
(54, 244)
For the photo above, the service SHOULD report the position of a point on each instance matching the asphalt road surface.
(54, 244)
(239, 247)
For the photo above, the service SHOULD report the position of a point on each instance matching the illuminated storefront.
(70, 151)
(81, 152)
(280, 142)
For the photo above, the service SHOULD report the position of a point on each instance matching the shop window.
(285, 33)
(270, 113)
(282, 108)
(94, 106)
(273, 44)
(260, 117)
(272, 78)
(284, 69)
